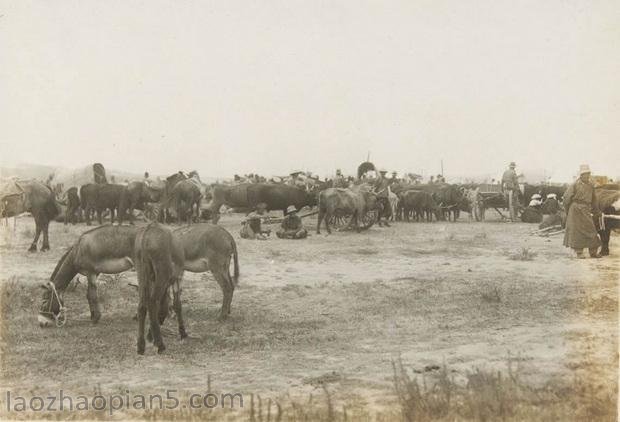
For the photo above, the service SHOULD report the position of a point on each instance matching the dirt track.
(335, 309)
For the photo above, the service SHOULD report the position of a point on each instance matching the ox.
(354, 201)
(609, 204)
(248, 195)
(418, 204)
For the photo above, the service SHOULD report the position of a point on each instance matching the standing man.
(510, 186)
(339, 180)
(382, 189)
(581, 206)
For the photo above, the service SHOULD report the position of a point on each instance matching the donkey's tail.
(235, 263)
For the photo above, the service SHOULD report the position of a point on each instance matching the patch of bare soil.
(330, 312)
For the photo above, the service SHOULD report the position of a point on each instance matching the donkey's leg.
(176, 292)
(141, 318)
(163, 308)
(222, 277)
(91, 295)
(153, 310)
(33, 246)
(46, 240)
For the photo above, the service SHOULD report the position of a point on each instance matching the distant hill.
(76, 176)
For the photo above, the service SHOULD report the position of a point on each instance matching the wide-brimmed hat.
(383, 171)
(551, 195)
(290, 209)
(536, 196)
(512, 164)
(584, 168)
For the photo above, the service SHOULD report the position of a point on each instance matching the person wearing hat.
(552, 213)
(551, 205)
(510, 186)
(532, 213)
(382, 189)
(581, 211)
(339, 180)
(294, 178)
(292, 227)
(251, 226)
(536, 200)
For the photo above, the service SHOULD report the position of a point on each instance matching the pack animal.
(354, 201)
(39, 200)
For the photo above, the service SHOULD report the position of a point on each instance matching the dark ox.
(419, 205)
(449, 198)
(135, 196)
(99, 198)
(608, 203)
(248, 195)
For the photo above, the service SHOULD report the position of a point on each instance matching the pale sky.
(270, 86)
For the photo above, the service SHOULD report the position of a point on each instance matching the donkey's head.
(51, 311)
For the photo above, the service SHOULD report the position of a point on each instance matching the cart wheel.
(369, 219)
(151, 212)
(340, 222)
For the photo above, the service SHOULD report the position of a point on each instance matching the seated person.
(551, 205)
(292, 227)
(251, 228)
(536, 200)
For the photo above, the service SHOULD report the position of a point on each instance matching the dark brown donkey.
(159, 262)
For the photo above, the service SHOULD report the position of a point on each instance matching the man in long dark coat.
(581, 209)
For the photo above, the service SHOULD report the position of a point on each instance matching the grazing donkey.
(105, 249)
(159, 263)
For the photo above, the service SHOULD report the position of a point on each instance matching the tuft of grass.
(274, 253)
(480, 236)
(525, 254)
(497, 396)
(491, 294)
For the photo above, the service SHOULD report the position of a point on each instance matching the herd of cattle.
(184, 198)
(160, 254)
